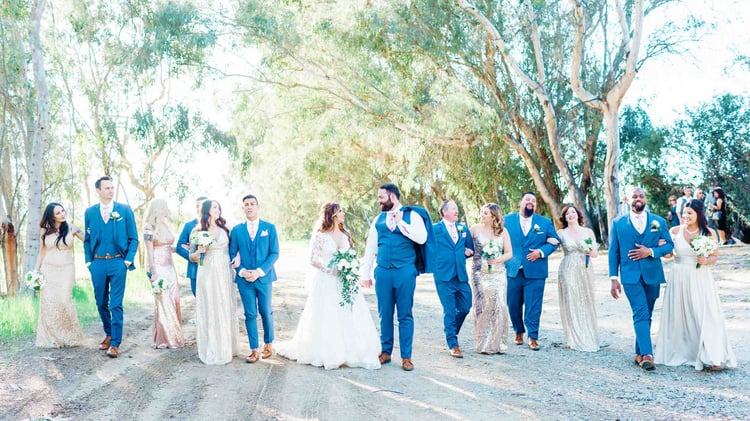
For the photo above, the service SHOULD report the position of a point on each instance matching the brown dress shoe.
(638, 359)
(104, 345)
(253, 357)
(519, 339)
(533, 345)
(456, 352)
(267, 351)
(647, 363)
(407, 365)
(113, 352)
(384, 358)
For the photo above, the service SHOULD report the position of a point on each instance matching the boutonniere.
(655, 226)
(114, 215)
(536, 228)
(264, 233)
(460, 228)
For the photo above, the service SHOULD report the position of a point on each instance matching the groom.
(451, 245)
(258, 246)
(109, 245)
(393, 242)
(533, 238)
(638, 240)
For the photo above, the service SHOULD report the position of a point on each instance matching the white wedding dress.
(329, 335)
(692, 329)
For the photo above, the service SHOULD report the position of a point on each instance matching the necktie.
(253, 230)
(390, 220)
(640, 223)
(525, 225)
(453, 232)
(105, 214)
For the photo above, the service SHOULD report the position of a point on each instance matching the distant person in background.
(719, 214)
(687, 194)
(624, 207)
(57, 325)
(672, 217)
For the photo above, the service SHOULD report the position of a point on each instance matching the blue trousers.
(108, 277)
(394, 288)
(455, 297)
(642, 297)
(192, 285)
(525, 303)
(256, 298)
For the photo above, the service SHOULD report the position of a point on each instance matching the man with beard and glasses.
(637, 242)
(533, 238)
(392, 244)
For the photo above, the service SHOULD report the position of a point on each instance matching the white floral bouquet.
(587, 245)
(703, 246)
(34, 280)
(492, 250)
(158, 285)
(347, 265)
(201, 238)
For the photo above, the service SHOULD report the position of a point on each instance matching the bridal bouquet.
(347, 265)
(34, 280)
(492, 250)
(201, 238)
(587, 245)
(158, 285)
(703, 246)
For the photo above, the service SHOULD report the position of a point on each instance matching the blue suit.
(640, 278)
(526, 278)
(259, 253)
(192, 267)
(107, 247)
(448, 262)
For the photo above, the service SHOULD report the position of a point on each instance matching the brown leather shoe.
(113, 352)
(519, 339)
(638, 359)
(407, 365)
(384, 358)
(456, 352)
(253, 357)
(104, 345)
(533, 345)
(647, 363)
(267, 351)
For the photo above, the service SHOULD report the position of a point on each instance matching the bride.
(328, 334)
(692, 329)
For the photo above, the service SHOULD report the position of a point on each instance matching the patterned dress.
(491, 321)
(577, 305)
(167, 328)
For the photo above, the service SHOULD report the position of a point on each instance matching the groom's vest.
(394, 249)
(106, 242)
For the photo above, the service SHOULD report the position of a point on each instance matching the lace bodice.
(571, 245)
(221, 241)
(322, 250)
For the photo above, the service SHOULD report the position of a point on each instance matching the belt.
(108, 256)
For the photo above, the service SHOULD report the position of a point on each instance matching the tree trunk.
(37, 141)
(8, 245)
(611, 165)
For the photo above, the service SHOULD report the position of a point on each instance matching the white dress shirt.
(414, 230)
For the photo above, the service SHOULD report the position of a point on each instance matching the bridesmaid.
(158, 239)
(577, 306)
(58, 322)
(491, 319)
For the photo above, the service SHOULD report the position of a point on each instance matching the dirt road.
(554, 383)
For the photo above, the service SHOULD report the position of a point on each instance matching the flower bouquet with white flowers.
(589, 245)
(492, 250)
(346, 263)
(34, 280)
(703, 246)
(158, 285)
(201, 238)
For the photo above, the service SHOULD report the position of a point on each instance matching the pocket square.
(264, 233)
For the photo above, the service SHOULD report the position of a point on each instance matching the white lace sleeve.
(316, 253)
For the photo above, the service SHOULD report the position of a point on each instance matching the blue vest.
(394, 249)
(106, 243)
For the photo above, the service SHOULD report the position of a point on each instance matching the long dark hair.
(205, 210)
(327, 212)
(48, 225)
(697, 206)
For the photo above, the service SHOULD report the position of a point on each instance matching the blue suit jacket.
(448, 258)
(266, 249)
(542, 228)
(126, 234)
(192, 267)
(623, 237)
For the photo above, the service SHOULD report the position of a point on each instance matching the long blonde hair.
(156, 218)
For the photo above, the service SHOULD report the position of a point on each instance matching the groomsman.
(183, 245)
(533, 238)
(392, 243)
(449, 248)
(258, 246)
(109, 245)
(637, 242)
